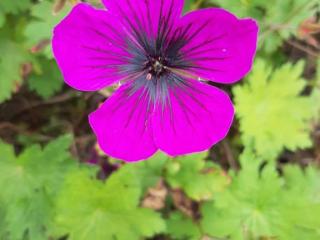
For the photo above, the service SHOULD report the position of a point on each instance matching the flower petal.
(220, 46)
(88, 46)
(122, 126)
(200, 116)
(146, 17)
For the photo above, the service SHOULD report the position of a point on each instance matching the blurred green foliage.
(278, 19)
(90, 209)
(47, 194)
(269, 102)
(25, 33)
(207, 179)
(261, 204)
(29, 184)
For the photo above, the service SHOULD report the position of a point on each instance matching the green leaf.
(2, 18)
(198, 178)
(90, 209)
(3, 233)
(316, 94)
(301, 203)
(10, 69)
(148, 172)
(47, 82)
(272, 114)
(278, 20)
(282, 20)
(187, 5)
(29, 182)
(241, 8)
(41, 27)
(306, 183)
(180, 227)
(14, 7)
(260, 204)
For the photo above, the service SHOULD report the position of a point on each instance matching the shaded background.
(261, 182)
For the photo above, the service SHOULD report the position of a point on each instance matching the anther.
(157, 66)
(149, 76)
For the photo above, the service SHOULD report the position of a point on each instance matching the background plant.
(262, 182)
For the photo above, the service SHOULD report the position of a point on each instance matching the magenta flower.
(163, 60)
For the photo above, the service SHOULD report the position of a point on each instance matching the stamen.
(149, 76)
(157, 56)
(186, 74)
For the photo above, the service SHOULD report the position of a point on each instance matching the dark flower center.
(156, 67)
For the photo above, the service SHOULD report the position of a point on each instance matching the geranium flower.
(164, 62)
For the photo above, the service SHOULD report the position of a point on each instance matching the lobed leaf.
(198, 178)
(29, 183)
(278, 20)
(272, 113)
(263, 205)
(90, 209)
(48, 81)
(181, 227)
(11, 76)
(41, 28)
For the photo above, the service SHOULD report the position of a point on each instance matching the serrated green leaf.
(29, 182)
(180, 227)
(90, 209)
(148, 172)
(272, 114)
(278, 20)
(252, 198)
(297, 180)
(195, 176)
(10, 70)
(241, 8)
(261, 204)
(41, 27)
(48, 81)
